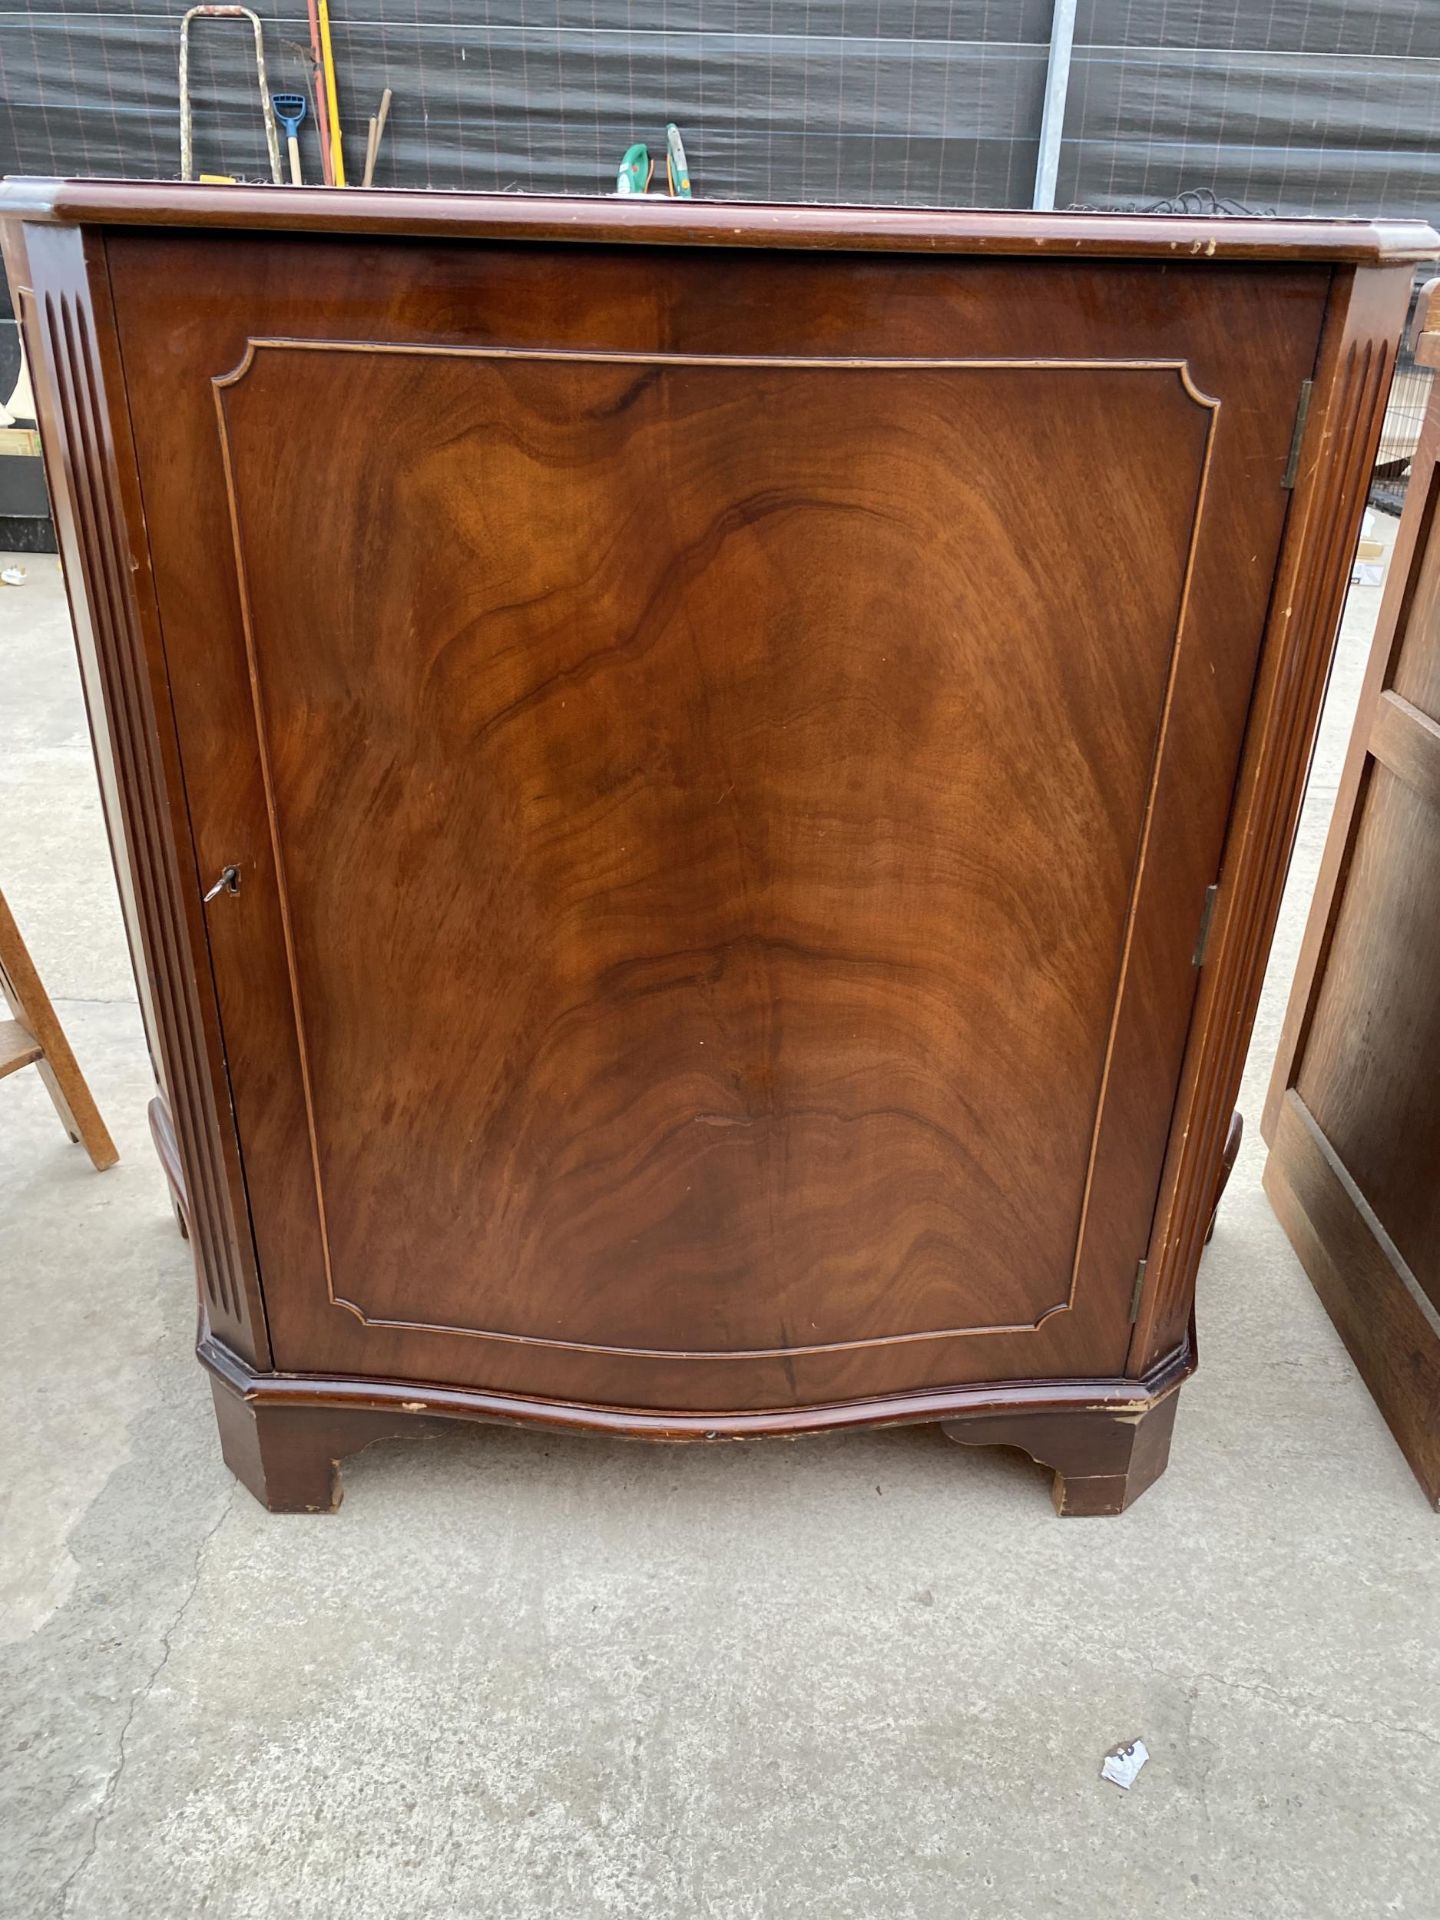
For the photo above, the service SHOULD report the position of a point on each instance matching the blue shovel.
(290, 111)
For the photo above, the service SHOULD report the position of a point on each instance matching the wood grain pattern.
(724, 755)
(1353, 1115)
(675, 305)
(714, 977)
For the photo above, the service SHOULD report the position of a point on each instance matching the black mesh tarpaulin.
(1299, 106)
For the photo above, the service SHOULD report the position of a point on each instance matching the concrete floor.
(850, 1679)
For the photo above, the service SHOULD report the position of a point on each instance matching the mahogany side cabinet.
(700, 791)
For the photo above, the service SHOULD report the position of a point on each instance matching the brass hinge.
(1202, 939)
(1302, 413)
(1137, 1290)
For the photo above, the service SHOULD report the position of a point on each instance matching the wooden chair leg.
(34, 1037)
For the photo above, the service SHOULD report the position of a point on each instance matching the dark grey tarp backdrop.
(1332, 106)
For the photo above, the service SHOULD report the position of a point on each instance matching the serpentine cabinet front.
(693, 776)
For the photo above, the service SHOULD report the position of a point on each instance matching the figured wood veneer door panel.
(707, 832)
(725, 757)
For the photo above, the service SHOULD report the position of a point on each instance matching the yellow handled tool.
(327, 58)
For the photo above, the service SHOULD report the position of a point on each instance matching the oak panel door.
(725, 852)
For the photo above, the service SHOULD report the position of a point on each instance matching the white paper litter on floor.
(1122, 1764)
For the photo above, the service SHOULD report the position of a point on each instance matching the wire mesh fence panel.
(919, 102)
(1300, 106)
(1404, 418)
(1295, 107)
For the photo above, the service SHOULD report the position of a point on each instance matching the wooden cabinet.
(1353, 1117)
(671, 763)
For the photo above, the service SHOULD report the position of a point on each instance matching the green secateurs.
(637, 169)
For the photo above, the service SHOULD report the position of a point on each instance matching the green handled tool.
(635, 170)
(677, 167)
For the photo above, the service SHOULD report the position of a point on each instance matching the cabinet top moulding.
(604, 220)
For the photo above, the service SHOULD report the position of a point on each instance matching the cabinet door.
(1353, 1117)
(724, 756)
